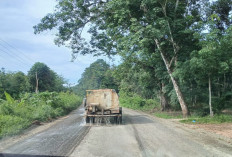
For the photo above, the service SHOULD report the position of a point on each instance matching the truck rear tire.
(87, 119)
(92, 120)
(115, 119)
(120, 119)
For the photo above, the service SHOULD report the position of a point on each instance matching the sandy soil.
(224, 129)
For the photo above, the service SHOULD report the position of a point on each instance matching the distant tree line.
(16, 83)
(177, 51)
(97, 76)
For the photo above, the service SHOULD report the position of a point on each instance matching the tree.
(110, 25)
(96, 76)
(222, 9)
(213, 61)
(19, 84)
(13, 83)
(151, 36)
(3, 82)
(46, 78)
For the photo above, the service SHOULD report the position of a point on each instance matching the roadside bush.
(137, 103)
(69, 101)
(5, 108)
(30, 107)
(42, 113)
(10, 125)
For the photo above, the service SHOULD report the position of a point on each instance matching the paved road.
(58, 140)
(140, 135)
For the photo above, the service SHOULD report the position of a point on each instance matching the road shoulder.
(31, 131)
(210, 139)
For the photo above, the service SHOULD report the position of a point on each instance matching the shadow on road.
(136, 119)
(126, 120)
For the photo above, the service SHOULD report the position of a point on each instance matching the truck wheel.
(115, 120)
(120, 110)
(87, 119)
(93, 120)
(120, 119)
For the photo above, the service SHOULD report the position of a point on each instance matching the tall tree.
(94, 77)
(46, 78)
(222, 9)
(125, 23)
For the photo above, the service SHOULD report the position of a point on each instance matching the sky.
(20, 48)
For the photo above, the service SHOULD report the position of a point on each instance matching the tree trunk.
(224, 84)
(163, 100)
(37, 83)
(210, 98)
(191, 93)
(179, 94)
(180, 97)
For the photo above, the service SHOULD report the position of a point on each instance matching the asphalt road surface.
(140, 135)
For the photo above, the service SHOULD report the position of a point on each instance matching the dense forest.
(177, 51)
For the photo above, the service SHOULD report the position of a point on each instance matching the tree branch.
(177, 3)
(174, 45)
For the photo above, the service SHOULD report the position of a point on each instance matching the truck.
(102, 105)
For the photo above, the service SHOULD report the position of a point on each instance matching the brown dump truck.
(102, 105)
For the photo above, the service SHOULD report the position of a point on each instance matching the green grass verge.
(167, 116)
(217, 119)
(17, 115)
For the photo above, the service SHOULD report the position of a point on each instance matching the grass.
(167, 116)
(217, 119)
(17, 115)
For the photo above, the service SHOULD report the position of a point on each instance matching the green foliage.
(13, 83)
(167, 116)
(9, 99)
(137, 103)
(98, 75)
(30, 107)
(16, 83)
(10, 125)
(194, 39)
(48, 80)
(45, 76)
(217, 119)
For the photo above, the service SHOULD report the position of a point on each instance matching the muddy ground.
(140, 135)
